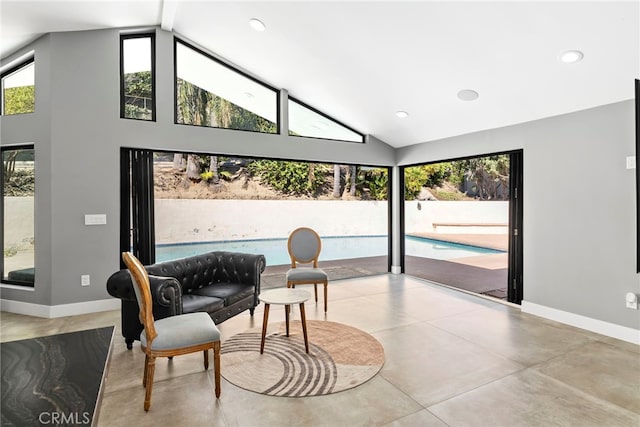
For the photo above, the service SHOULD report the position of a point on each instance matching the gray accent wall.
(579, 206)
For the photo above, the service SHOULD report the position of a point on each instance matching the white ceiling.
(362, 61)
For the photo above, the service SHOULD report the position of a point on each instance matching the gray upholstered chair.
(171, 336)
(304, 247)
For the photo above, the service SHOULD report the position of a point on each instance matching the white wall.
(420, 216)
(20, 211)
(191, 220)
(198, 220)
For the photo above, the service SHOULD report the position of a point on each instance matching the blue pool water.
(333, 248)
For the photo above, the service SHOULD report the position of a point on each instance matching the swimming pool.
(333, 248)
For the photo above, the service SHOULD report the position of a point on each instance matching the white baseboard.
(62, 310)
(396, 269)
(598, 326)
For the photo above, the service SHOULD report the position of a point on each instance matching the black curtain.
(137, 228)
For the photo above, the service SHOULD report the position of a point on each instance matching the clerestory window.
(137, 77)
(308, 122)
(211, 93)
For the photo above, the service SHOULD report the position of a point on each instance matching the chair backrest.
(304, 246)
(141, 287)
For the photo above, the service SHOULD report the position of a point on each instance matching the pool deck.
(499, 242)
(481, 274)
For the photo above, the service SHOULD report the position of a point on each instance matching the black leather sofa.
(222, 284)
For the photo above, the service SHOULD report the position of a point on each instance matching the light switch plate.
(95, 219)
(631, 162)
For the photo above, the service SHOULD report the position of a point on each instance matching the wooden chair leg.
(325, 297)
(216, 365)
(206, 359)
(146, 370)
(315, 291)
(150, 370)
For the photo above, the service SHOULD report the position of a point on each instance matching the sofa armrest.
(165, 291)
(119, 285)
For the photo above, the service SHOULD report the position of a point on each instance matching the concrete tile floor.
(452, 359)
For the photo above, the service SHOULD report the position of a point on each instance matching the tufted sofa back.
(196, 272)
(208, 269)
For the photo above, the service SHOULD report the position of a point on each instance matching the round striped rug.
(340, 357)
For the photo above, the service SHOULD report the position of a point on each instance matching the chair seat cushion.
(183, 331)
(304, 273)
(192, 303)
(229, 292)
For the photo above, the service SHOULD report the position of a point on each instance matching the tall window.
(210, 93)
(305, 121)
(18, 89)
(137, 77)
(18, 236)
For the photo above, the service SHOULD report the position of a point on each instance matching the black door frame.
(515, 288)
(515, 283)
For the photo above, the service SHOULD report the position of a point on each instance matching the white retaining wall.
(420, 216)
(19, 220)
(197, 220)
(188, 220)
(183, 220)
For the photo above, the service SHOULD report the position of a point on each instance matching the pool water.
(333, 248)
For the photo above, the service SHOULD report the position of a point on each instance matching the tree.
(9, 165)
(432, 175)
(291, 178)
(193, 170)
(178, 161)
(336, 180)
(18, 100)
(193, 104)
(489, 176)
(138, 92)
(350, 181)
(215, 184)
(231, 116)
(374, 183)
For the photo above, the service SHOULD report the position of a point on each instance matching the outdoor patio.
(481, 274)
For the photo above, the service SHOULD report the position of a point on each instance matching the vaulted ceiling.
(363, 61)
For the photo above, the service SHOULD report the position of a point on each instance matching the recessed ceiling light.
(571, 56)
(468, 95)
(257, 24)
(402, 114)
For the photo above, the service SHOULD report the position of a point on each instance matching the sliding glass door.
(177, 204)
